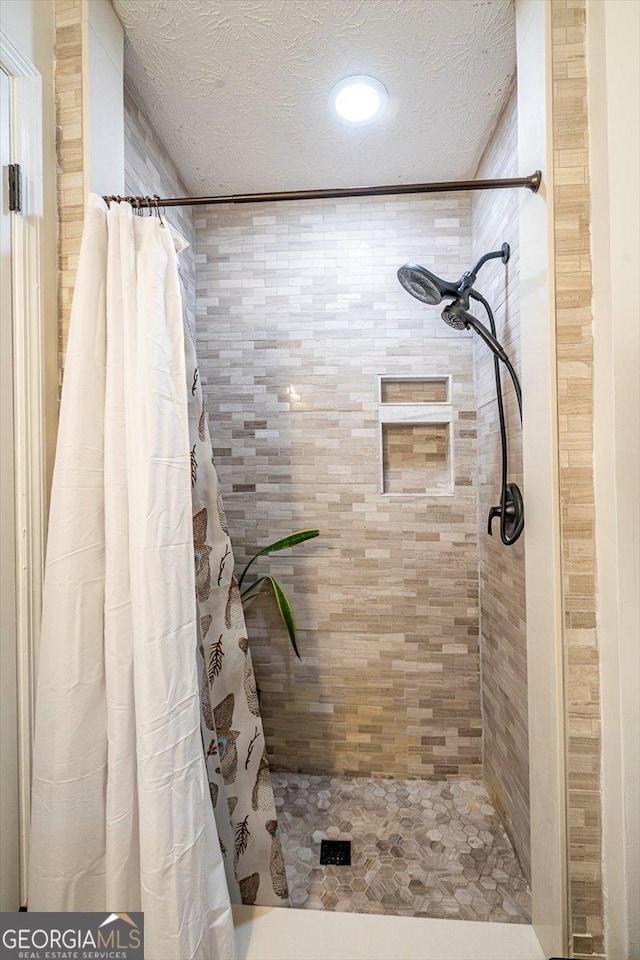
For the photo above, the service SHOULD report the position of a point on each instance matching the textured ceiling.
(237, 89)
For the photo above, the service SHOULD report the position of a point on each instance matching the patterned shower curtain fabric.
(232, 733)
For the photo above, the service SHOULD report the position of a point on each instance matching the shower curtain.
(142, 669)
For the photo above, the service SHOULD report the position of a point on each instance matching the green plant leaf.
(299, 537)
(294, 538)
(285, 612)
(284, 607)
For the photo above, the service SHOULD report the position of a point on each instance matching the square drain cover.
(335, 852)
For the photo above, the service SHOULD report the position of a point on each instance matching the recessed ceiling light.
(358, 100)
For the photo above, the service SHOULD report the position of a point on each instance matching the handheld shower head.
(424, 285)
(459, 318)
(456, 316)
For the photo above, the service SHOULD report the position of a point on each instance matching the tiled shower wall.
(503, 640)
(299, 313)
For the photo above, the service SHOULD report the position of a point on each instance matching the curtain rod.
(451, 186)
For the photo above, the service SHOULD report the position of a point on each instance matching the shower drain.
(335, 852)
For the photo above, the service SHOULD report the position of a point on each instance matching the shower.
(430, 289)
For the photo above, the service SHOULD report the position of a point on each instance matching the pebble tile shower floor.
(418, 848)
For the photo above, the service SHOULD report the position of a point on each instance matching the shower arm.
(468, 279)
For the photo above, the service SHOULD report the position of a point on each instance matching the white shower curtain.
(122, 817)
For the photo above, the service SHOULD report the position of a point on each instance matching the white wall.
(613, 35)
(540, 462)
(103, 98)
(29, 25)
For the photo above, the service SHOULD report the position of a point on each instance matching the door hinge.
(15, 188)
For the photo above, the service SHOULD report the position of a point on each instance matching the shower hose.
(511, 509)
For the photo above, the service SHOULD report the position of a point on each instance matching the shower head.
(424, 285)
(457, 316)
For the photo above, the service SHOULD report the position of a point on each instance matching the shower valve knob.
(511, 513)
(493, 513)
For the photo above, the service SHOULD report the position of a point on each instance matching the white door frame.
(612, 32)
(29, 410)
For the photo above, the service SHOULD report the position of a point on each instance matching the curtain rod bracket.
(535, 181)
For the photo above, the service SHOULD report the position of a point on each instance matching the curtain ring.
(148, 203)
(136, 200)
(157, 200)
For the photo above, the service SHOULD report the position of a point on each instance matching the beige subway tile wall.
(299, 313)
(574, 318)
(69, 145)
(503, 639)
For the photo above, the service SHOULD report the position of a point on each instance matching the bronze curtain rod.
(531, 183)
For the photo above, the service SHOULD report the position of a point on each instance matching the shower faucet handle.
(493, 513)
(511, 513)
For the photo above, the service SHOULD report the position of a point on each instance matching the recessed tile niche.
(412, 390)
(416, 453)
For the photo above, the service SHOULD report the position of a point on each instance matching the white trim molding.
(613, 30)
(545, 660)
(29, 408)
